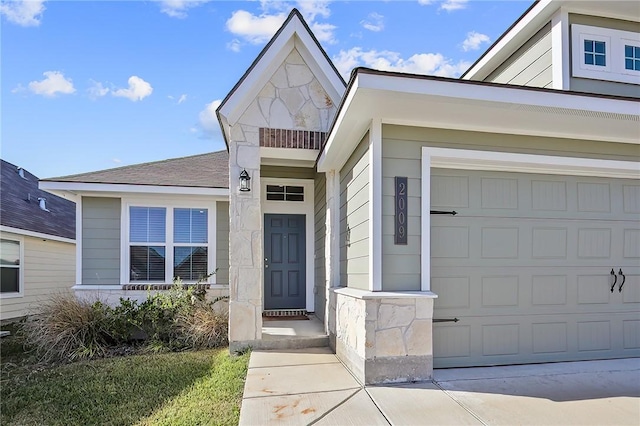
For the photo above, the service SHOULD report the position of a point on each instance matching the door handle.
(615, 279)
(266, 265)
(624, 278)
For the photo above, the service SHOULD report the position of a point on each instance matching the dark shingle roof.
(19, 206)
(204, 171)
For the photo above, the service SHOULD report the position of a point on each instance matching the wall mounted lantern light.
(244, 181)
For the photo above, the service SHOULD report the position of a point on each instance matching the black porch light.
(244, 181)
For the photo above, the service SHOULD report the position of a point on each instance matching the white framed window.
(164, 242)
(11, 267)
(605, 54)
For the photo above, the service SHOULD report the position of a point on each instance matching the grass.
(185, 388)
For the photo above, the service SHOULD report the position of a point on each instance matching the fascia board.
(76, 187)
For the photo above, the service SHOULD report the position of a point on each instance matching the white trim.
(79, 221)
(560, 50)
(462, 159)
(375, 205)
(169, 205)
(36, 234)
(127, 189)
(20, 293)
(332, 222)
(305, 208)
(615, 40)
(364, 294)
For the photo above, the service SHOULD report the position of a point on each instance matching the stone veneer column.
(385, 337)
(245, 240)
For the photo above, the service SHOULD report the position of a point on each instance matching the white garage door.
(526, 268)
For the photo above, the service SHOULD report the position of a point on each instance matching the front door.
(284, 264)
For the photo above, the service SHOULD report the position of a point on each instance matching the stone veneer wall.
(292, 99)
(384, 337)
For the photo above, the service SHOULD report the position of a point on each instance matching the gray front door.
(284, 265)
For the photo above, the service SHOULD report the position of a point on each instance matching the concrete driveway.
(311, 386)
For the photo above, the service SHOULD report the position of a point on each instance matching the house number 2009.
(401, 210)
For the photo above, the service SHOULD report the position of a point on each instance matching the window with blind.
(168, 243)
(9, 266)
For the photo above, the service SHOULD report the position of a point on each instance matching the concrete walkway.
(311, 386)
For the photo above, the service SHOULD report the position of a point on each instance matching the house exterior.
(437, 222)
(37, 243)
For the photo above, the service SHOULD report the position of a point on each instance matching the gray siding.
(222, 242)
(354, 218)
(287, 172)
(599, 86)
(100, 241)
(530, 65)
(320, 214)
(401, 151)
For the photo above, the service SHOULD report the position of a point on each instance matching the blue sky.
(91, 85)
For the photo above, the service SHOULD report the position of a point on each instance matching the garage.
(533, 267)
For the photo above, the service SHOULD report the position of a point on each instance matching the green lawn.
(187, 388)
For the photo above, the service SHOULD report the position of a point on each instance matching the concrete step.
(270, 342)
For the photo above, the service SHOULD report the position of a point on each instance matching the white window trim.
(211, 207)
(462, 159)
(615, 40)
(306, 208)
(20, 292)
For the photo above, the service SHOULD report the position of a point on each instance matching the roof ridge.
(137, 165)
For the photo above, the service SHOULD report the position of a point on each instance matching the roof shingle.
(209, 170)
(19, 206)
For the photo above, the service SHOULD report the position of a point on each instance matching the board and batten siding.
(100, 241)
(222, 242)
(319, 215)
(354, 218)
(49, 267)
(401, 156)
(588, 85)
(530, 65)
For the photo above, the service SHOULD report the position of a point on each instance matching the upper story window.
(595, 53)
(605, 54)
(632, 57)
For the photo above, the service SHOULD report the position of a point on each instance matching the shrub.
(203, 327)
(68, 328)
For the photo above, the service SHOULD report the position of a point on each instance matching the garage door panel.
(526, 268)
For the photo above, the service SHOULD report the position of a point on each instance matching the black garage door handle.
(624, 278)
(615, 279)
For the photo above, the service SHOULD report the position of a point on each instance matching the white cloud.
(182, 98)
(26, 13)
(138, 89)
(259, 28)
(234, 45)
(53, 83)
(18, 89)
(421, 63)
(208, 120)
(116, 160)
(179, 8)
(474, 40)
(374, 22)
(448, 5)
(97, 90)
(254, 29)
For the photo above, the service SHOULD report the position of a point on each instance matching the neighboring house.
(37, 243)
(349, 211)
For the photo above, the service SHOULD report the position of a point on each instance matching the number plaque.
(401, 210)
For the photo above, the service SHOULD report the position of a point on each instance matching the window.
(10, 266)
(190, 236)
(147, 239)
(632, 57)
(605, 54)
(595, 53)
(285, 193)
(168, 242)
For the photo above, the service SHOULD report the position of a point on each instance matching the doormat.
(285, 318)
